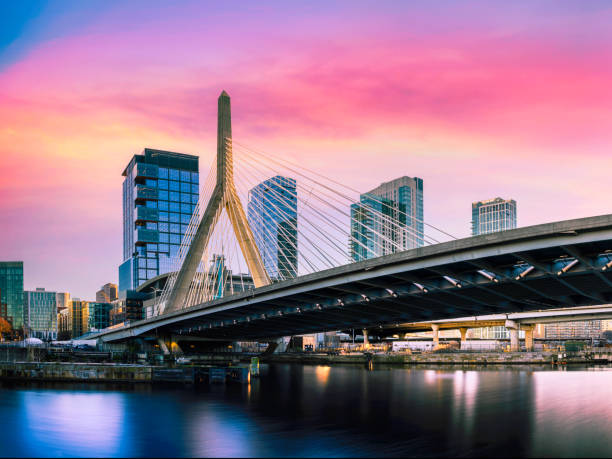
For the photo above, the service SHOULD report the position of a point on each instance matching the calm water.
(322, 411)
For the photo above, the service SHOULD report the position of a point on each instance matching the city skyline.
(525, 121)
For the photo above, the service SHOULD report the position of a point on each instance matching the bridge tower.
(225, 197)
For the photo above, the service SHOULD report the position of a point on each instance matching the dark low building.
(128, 307)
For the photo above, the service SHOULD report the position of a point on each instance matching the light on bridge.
(488, 276)
(608, 265)
(392, 293)
(524, 273)
(340, 302)
(365, 298)
(453, 281)
(421, 288)
(567, 267)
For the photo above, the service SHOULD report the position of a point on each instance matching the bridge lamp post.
(567, 267)
(608, 265)
(365, 298)
(340, 302)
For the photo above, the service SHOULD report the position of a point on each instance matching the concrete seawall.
(74, 372)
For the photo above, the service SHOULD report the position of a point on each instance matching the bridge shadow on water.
(308, 410)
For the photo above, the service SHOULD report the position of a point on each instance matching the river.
(302, 410)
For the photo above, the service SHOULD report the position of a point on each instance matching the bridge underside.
(467, 277)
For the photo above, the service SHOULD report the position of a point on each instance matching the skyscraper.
(493, 215)
(11, 292)
(388, 219)
(160, 191)
(272, 216)
(107, 293)
(40, 314)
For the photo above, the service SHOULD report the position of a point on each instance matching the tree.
(5, 327)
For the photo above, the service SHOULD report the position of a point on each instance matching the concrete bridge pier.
(366, 341)
(463, 331)
(528, 336)
(436, 335)
(513, 327)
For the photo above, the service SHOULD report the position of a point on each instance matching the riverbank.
(455, 358)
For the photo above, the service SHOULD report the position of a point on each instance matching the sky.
(480, 99)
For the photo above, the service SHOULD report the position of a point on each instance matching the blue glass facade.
(99, 316)
(367, 225)
(388, 219)
(272, 215)
(11, 292)
(160, 191)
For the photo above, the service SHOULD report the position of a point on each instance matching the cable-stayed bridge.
(309, 254)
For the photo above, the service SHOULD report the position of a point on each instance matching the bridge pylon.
(225, 197)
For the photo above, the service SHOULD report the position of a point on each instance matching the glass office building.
(493, 215)
(272, 216)
(78, 318)
(40, 314)
(160, 191)
(388, 219)
(99, 316)
(11, 292)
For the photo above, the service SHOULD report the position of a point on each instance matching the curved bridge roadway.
(553, 265)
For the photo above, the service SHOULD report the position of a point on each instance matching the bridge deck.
(384, 290)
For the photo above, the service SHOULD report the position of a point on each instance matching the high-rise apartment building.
(11, 292)
(40, 314)
(493, 215)
(160, 191)
(107, 293)
(272, 216)
(388, 219)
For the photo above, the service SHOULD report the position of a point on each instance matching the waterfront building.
(272, 216)
(78, 317)
(583, 329)
(40, 314)
(107, 293)
(99, 316)
(493, 215)
(128, 307)
(63, 301)
(11, 292)
(160, 191)
(64, 327)
(387, 219)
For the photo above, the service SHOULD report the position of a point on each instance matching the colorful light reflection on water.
(321, 411)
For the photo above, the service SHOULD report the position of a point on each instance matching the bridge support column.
(463, 331)
(528, 336)
(366, 341)
(163, 346)
(513, 327)
(435, 334)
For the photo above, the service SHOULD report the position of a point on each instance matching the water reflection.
(300, 410)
